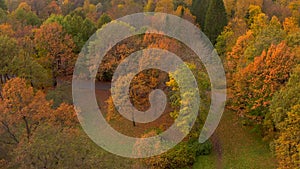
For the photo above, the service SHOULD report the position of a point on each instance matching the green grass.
(240, 148)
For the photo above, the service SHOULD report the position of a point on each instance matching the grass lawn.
(239, 148)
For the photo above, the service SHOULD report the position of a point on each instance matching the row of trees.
(261, 54)
(55, 40)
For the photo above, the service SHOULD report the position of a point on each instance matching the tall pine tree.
(199, 9)
(215, 20)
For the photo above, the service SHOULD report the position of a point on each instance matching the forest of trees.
(40, 40)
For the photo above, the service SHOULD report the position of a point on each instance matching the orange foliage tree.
(23, 110)
(55, 50)
(256, 84)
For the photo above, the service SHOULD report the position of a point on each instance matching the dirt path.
(236, 147)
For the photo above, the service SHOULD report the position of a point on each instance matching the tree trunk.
(133, 122)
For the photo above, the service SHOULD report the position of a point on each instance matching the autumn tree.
(55, 147)
(294, 7)
(121, 8)
(22, 109)
(42, 136)
(54, 50)
(274, 8)
(292, 30)
(38, 6)
(60, 94)
(228, 38)
(7, 30)
(235, 59)
(242, 6)
(165, 6)
(185, 13)
(266, 33)
(150, 6)
(51, 8)
(184, 153)
(24, 16)
(282, 103)
(259, 37)
(256, 84)
(287, 145)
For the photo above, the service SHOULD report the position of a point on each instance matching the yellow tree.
(287, 146)
(165, 6)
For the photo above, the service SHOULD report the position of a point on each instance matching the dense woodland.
(257, 40)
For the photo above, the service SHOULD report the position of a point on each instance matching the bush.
(182, 155)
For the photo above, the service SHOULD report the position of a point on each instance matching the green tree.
(8, 51)
(80, 29)
(12, 4)
(61, 94)
(24, 16)
(223, 41)
(27, 67)
(215, 20)
(199, 9)
(15, 61)
(266, 33)
(175, 96)
(3, 16)
(57, 147)
(3, 5)
(104, 19)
